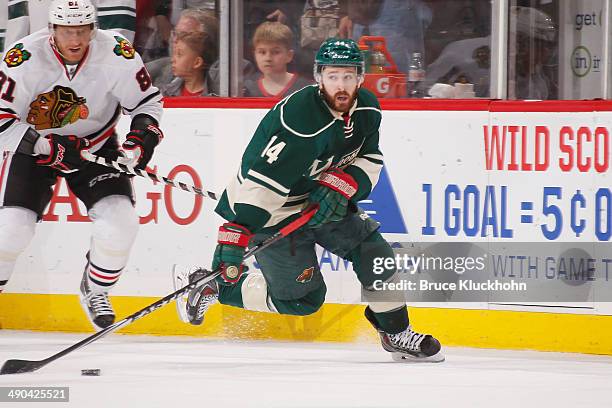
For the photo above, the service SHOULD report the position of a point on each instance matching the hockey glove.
(231, 246)
(141, 142)
(111, 154)
(65, 155)
(333, 194)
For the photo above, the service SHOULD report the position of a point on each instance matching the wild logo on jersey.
(16, 56)
(57, 108)
(124, 48)
(306, 275)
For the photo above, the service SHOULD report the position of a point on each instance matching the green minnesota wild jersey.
(294, 143)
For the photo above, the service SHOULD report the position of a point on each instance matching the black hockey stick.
(28, 366)
(87, 155)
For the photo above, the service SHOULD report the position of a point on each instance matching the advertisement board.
(498, 173)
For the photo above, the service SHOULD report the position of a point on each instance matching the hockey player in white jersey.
(60, 92)
(27, 16)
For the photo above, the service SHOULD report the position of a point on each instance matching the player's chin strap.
(87, 155)
(27, 366)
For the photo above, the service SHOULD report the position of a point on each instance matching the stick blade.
(20, 366)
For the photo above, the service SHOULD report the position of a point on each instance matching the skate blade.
(407, 358)
(180, 278)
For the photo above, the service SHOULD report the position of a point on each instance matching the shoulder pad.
(366, 99)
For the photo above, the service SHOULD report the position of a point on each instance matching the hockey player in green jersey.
(318, 145)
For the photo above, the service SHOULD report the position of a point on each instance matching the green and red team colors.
(295, 142)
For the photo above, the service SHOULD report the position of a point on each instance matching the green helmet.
(342, 52)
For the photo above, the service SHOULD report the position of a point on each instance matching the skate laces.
(408, 339)
(99, 303)
(208, 293)
(205, 301)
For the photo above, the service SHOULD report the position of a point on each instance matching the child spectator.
(273, 49)
(189, 66)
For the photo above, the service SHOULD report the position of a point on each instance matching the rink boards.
(455, 172)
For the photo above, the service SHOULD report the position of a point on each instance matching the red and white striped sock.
(101, 279)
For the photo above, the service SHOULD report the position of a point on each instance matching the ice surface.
(173, 372)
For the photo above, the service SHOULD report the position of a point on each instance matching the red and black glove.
(333, 194)
(142, 142)
(232, 242)
(65, 153)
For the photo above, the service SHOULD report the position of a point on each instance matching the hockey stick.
(28, 366)
(87, 155)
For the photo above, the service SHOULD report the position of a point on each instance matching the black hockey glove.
(111, 154)
(141, 142)
(65, 153)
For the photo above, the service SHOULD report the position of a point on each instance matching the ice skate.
(409, 346)
(194, 303)
(96, 305)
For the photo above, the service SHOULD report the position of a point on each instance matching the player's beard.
(340, 106)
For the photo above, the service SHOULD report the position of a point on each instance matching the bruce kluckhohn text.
(462, 285)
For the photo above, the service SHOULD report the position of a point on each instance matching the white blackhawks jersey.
(38, 91)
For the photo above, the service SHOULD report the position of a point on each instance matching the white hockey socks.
(115, 225)
(17, 227)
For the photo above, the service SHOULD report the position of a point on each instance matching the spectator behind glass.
(319, 21)
(273, 49)
(455, 20)
(532, 42)
(189, 22)
(256, 12)
(458, 46)
(463, 61)
(531, 46)
(152, 28)
(188, 66)
(401, 22)
(166, 14)
(195, 21)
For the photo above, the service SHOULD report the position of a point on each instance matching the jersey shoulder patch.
(124, 48)
(16, 56)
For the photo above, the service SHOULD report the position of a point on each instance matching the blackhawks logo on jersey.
(124, 48)
(57, 108)
(16, 56)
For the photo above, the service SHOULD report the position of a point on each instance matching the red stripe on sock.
(91, 271)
